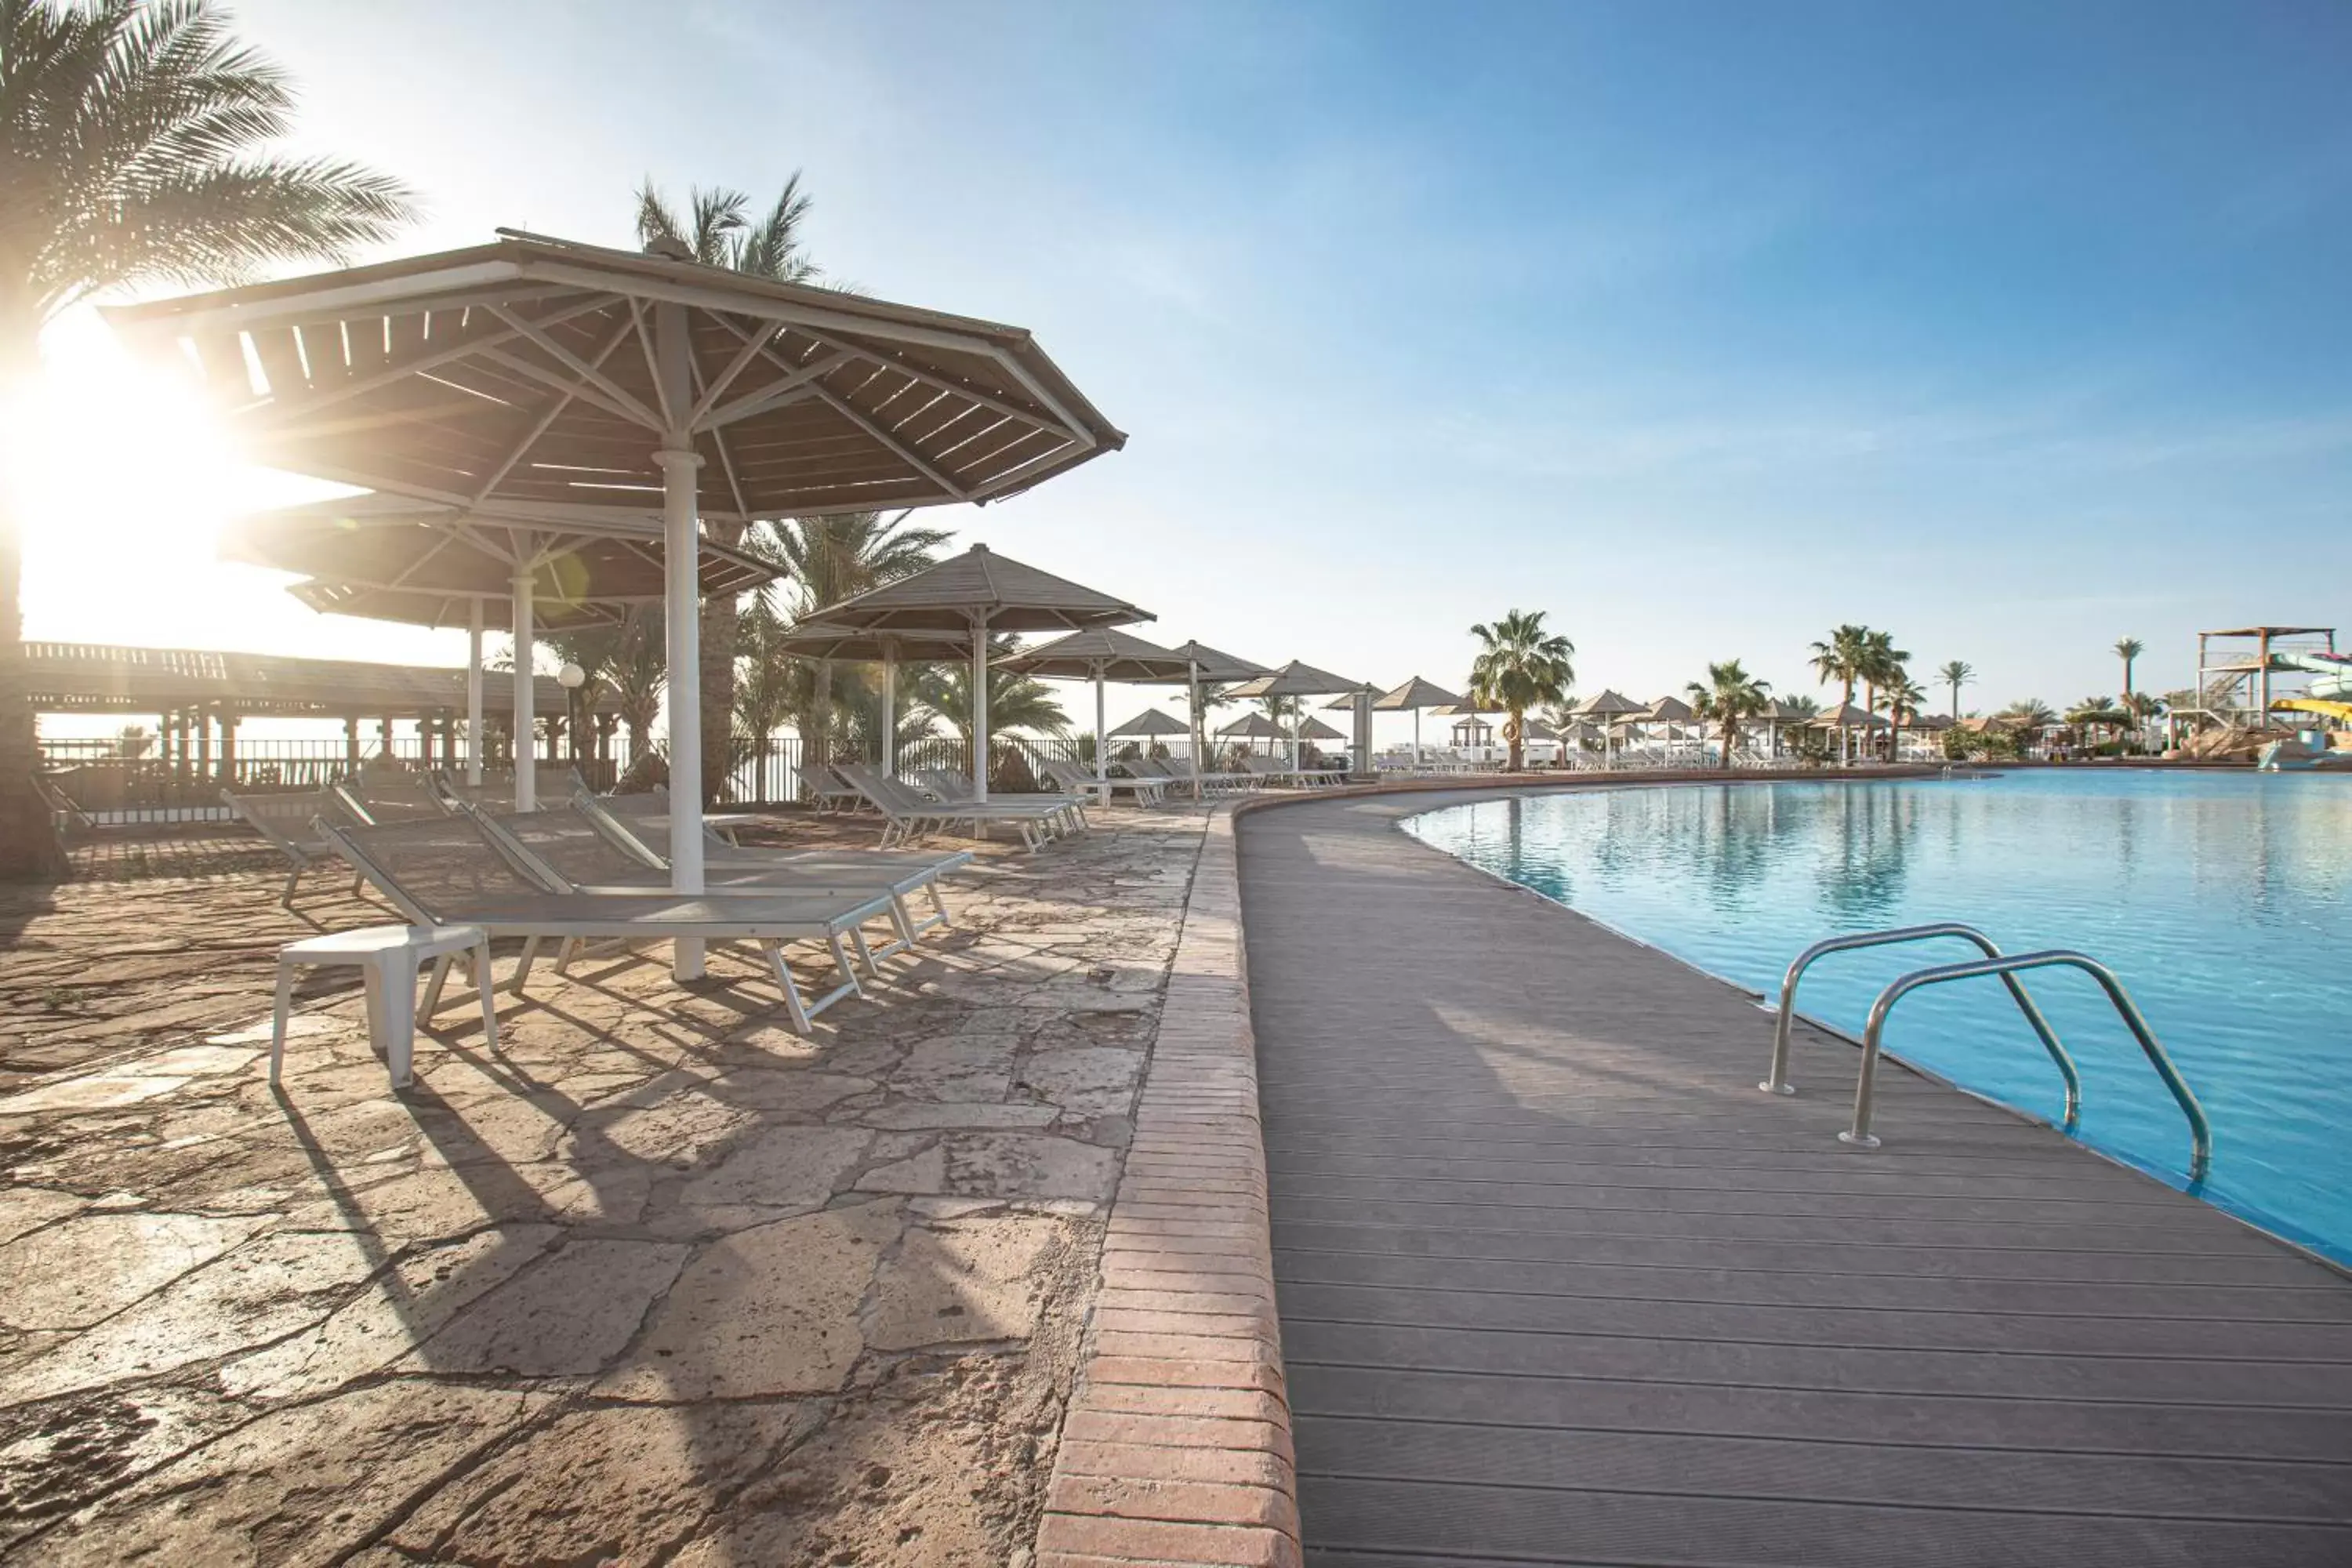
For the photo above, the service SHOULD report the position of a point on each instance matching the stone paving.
(658, 1281)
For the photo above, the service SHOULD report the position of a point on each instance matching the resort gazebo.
(192, 692)
(1099, 654)
(1844, 718)
(1669, 711)
(565, 381)
(974, 596)
(392, 558)
(1414, 695)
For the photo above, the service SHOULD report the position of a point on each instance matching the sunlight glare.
(121, 475)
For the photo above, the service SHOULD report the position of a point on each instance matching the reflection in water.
(2220, 898)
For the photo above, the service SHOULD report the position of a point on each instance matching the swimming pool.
(2220, 898)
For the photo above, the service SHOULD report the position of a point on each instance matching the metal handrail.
(2201, 1132)
(1779, 1082)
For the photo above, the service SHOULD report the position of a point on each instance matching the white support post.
(1102, 756)
(682, 609)
(526, 773)
(1416, 740)
(979, 709)
(473, 696)
(1363, 734)
(1192, 717)
(889, 746)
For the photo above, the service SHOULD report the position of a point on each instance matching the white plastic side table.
(390, 956)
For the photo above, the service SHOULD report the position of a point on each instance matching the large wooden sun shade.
(392, 558)
(525, 372)
(539, 377)
(977, 594)
(1102, 654)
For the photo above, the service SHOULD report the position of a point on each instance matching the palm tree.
(2128, 649)
(133, 150)
(629, 660)
(1518, 666)
(1956, 673)
(2028, 714)
(1014, 702)
(1883, 666)
(1729, 696)
(719, 229)
(1840, 657)
(1903, 697)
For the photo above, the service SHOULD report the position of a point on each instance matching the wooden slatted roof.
(1105, 652)
(93, 677)
(1414, 693)
(522, 374)
(1010, 596)
(1296, 679)
(394, 558)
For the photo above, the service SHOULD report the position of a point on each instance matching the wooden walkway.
(1558, 1284)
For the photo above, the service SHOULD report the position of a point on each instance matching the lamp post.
(571, 677)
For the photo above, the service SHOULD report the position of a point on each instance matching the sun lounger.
(1076, 781)
(1066, 811)
(582, 848)
(1269, 771)
(951, 788)
(908, 813)
(1213, 781)
(380, 796)
(284, 821)
(827, 790)
(552, 781)
(450, 872)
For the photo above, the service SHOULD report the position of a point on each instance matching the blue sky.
(2012, 329)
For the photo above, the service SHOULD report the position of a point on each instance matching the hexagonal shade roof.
(544, 373)
(394, 558)
(1104, 653)
(979, 583)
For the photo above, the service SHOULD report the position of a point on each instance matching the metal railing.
(1778, 1083)
(2006, 967)
(2201, 1132)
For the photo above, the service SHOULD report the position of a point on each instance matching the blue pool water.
(2220, 898)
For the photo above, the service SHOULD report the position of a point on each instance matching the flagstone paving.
(658, 1281)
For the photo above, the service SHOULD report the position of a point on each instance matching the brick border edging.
(1176, 1447)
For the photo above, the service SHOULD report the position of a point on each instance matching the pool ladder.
(2007, 966)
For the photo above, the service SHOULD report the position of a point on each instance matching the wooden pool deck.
(1558, 1284)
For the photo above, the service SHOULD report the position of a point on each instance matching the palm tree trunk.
(717, 663)
(29, 847)
(1730, 737)
(1513, 734)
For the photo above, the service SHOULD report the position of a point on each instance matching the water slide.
(2329, 696)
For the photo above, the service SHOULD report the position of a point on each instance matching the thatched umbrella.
(390, 558)
(569, 381)
(1100, 654)
(976, 594)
